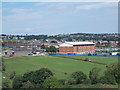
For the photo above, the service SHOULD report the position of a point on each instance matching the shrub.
(37, 77)
(108, 78)
(79, 77)
(114, 69)
(51, 82)
(17, 82)
(94, 75)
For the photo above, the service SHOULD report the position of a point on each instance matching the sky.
(53, 18)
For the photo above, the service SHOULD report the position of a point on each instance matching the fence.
(84, 54)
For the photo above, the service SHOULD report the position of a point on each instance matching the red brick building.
(77, 47)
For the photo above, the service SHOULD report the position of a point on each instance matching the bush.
(79, 77)
(37, 77)
(114, 69)
(17, 82)
(108, 78)
(51, 82)
(94, 75)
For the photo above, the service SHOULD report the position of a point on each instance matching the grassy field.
(58, 65)
(105, 60)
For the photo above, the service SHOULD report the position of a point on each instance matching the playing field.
(58, 65)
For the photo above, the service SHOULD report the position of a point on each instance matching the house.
(77, 47)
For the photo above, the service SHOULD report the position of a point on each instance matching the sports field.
(60, 66)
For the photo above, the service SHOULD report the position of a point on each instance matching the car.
(30, 54)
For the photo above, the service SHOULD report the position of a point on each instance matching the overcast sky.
(57, 18)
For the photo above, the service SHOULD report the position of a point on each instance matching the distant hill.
(68, 37)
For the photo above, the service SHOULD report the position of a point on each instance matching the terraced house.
(77, 47)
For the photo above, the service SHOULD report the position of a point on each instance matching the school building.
(77, 47)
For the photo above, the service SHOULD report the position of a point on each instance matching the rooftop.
(76, 43)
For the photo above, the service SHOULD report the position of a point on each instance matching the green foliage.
(112, 74)
(79, 77)
(51, 82)
(43, 46)
(28, 84)
(51, 49)
(53, 42)
(114, 69)
(38, 76)
(47, 49)
(108, 78)
(17, 82)
(94, 75)
(27, 76)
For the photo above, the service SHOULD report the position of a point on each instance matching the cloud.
(96, 6)
(22, 14)
(28, 30)
(61, 7)
(41, 3)
(21, 10)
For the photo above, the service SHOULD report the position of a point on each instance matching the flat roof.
(76, 43)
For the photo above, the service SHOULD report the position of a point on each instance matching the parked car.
(30, 54)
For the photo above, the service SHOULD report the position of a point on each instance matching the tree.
(3, 45)
(43, 46)
(114, 69)
(51, 82)
(53, 49)
(53, 42)
(17, 82)
(108, 78)
(94, 75)
(27, 76)
(47, 49)
(37, 77)
(79, 77)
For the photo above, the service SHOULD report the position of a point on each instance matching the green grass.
(105, 60)
(59, 66)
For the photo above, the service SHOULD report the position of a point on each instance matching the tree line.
(70, 37)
